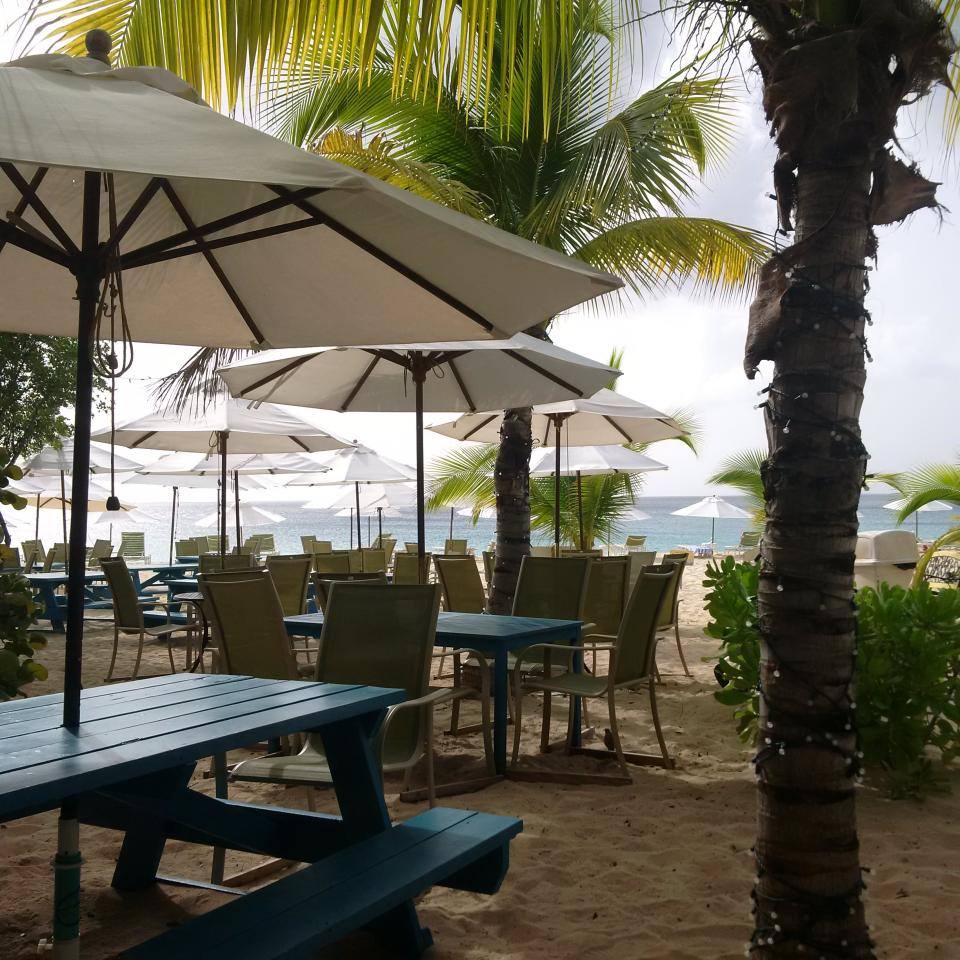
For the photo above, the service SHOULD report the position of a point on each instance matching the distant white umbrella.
(47, 493)
(636, 514)
(584, 461)
(716, 509)
(440, 377)
(250, 516)
(484, 513)
(934, 506)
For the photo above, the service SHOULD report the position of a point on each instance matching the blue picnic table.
(55, 606)
(163, 573)
(129, 766)
(495, 637)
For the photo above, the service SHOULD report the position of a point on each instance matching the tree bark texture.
(512, 486)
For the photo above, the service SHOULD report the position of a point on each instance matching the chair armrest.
(463, 652)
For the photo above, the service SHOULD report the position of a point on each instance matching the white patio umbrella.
(124, 173)
(47, 493)
(716, 509)
(605, 417)
(228, 426)
(582, 462)
(934, 506)
(250, 516)
(635, 513)
(482, 374)
(132, 519)
(357, 465)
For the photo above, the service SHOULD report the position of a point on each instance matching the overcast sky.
(682, 352)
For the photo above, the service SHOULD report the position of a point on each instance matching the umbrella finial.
(99, 44)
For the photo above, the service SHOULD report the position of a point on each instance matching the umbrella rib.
(358, 386)
(616, 426)
(34, 243)
(386, 259)
(463, 388)
(29, 194)
(143, 255)
(520, 358)
(136, 208)
(143, 439)
(18, 210)
(299, 443)
(212, 262)
(285, 369)
(481, 425)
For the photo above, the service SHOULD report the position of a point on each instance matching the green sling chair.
(291, 574)
(670, 612)
(381, 636)
(331, 563)
(631, 665)
(128, 610)
(323, 581)
(405, 568)
(457, 548)
(373, 560)
(608, 589)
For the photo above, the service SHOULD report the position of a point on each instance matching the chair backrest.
(188, 547)
(322, 582)
(461, 584)
(638, 560)
(250, 545)
(29, 560)
(213, 562)
(322, 546)
(247, 622)
(541, 552)
(265, 542)
(9, 557)
(608, 589)
(489, 562)
(127, 611)
(373, 560)
(307, 541)
(57, 554)
(456, 547)
(290, 576)
(354, 559)
(383, 636)
(668, 612)
(676, 556)
(552, 587)
(406, 570)
(132, 544)
(636, 644)
(101, 549)
(207, 544)
(331, 563)
(573, 552)
(387, 544)
(750, 538)
(36, 546)
(635, 541)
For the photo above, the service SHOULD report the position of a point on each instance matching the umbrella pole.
(236, 505)
(173, 524)
(556, 489)
(713, 527)
(580, 510)
(89, 273)
(222, 444)
(63, 517)
(356, 487)
(418, 371)
(351, 528)
(369, 534)
(451, 523)
(36, 523)
(380, 526)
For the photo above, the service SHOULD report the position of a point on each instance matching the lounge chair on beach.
(631, 665)
(749, 546)
(455, 547)
(133, 545)
(635, 542)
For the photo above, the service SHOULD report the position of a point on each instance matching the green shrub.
(908, 671)
(17, 643)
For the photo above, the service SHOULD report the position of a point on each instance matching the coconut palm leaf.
(742, 472)
(934, 481)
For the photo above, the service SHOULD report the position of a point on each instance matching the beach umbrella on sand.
(517, 372)
(224, 427)
(716, 509)
(605, 417)
(249, 515)
(132, 212)
(588, 462)
(934, 506)
(357, 465)
(388, 500)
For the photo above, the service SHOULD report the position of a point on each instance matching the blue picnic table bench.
(494, 636)
(129, 765)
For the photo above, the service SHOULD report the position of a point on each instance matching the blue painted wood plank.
(295, 916)
(43, 786)
(245, 698)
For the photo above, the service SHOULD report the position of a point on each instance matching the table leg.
(501, 682)
(51, 607)
(143, 843)
(359, 787)
(220, 790)
(576, 737)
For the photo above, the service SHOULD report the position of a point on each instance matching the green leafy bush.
(908, 671)
(17, 642)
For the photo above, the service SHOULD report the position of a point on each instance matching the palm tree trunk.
(512, 485)
(808, 892)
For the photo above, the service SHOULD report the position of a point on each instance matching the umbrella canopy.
(592, 461)
(250, 516)
(130, 518)
(716, 509)
(934, 506)
(46, 495)
(52, 461)
(517, 372)
(587, 461)
(335, 242)
(606, 417)
(635, 513)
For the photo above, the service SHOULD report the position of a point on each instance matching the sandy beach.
(660, 869)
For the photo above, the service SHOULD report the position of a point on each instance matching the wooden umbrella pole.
(36, 522)
(173, 523)
(380, 526)
(580, 510)
(236, 506)
(451, 523)
(357, 492)
(556, 488)
(418, 370)
(222, 444)
(63, 517)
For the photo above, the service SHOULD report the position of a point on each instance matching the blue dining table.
(495, 637)
(128, 767)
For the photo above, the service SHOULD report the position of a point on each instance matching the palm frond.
(742, 472)
(933, 481)
(195, 385)
(464, 476)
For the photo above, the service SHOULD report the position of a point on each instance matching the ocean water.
(662, 530)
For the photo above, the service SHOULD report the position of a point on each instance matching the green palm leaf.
(742, 472)
(934, 481)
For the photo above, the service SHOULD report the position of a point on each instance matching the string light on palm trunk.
(110, 310)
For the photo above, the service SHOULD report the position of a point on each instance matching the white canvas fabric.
(359, 464)
(250, 516)
(246, 464)
(935, 506)
(50, 461)
(484, 374)
(375, 264)
(591, 461)
(605, 417)
(265, 428)
(715, 507)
